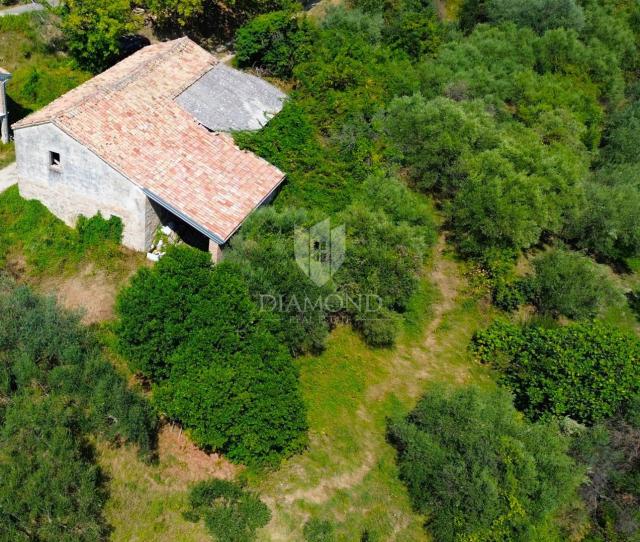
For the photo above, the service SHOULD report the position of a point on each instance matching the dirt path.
(403, 378)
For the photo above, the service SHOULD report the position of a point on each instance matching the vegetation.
(57, 389)
(588, 372)
(229, 511)
(208, 19)
(569, 284)
(39, 73)
(93, 30)
(611, 495)
(203, 341)
(49, 246)
(478, 471)
(519, 124)
(276, 42)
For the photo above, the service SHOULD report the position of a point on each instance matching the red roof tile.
(127, 115)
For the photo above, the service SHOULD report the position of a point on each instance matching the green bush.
(195, 331)
(478, 471)
(275, 42)
(607, 226)
(508, 295)
(569, 284)
(433, 136)
(153, 311)
(622, 139)
(96, 230)
(49, 484)
(93, 30)
(540, 15)
(230, 513)
(264, 250)
(588, 372)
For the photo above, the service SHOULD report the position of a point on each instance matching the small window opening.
(54, 159)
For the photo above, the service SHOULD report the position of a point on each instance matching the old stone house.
(148, 141)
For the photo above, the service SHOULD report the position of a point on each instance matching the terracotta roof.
(128, 116)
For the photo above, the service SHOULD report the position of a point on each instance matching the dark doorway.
(185, 231)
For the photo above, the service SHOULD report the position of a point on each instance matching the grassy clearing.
(348, 475)
(146, 501)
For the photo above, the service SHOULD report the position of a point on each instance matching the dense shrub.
(153, 311)
(622, 139)
(570, 284)
(412, 26)
(540, 15)
(209, 19)
(96, 230)
(195, 331)
(478, 471)
(57, 390)
(49, 484)
(385, 251)
(508, 295)
(275, 42)
(434, 135)
(608, 224)
(585, 371)
(230, 512)
(264, 251)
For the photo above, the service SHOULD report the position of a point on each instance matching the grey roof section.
(225, 100)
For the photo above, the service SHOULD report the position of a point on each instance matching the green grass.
(40, 72)
(348, 475)
(7, 154)
(48, 246)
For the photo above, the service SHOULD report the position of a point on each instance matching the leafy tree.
(413, 26)
(93, 30)
(608, 223)
(478, 470)
(264, 251)
(57, 390)
(153, 312)
(196, 332)
(229, 511)
(569, 284)
(432, 137)
(622, 139)
(588, 372)
(275, 42)
(50, 488)
(540, 15)
(207, 19)
(181, 11)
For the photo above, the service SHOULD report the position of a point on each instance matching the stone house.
(148, 141)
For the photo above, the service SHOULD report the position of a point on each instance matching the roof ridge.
(146, 67)
(100, 89)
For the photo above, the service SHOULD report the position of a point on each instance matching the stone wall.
(82, 184)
